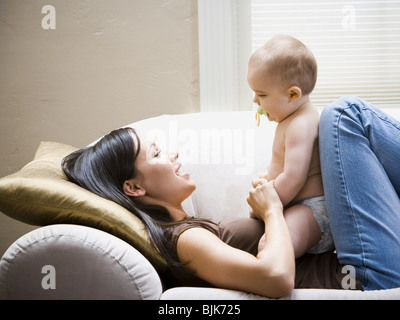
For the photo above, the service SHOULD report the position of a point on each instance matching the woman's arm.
(270, 273)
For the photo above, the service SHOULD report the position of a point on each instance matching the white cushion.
(190, 293)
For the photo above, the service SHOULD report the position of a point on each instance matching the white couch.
(222, 152)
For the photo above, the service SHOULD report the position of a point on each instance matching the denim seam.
(353, 216)
(388, 120)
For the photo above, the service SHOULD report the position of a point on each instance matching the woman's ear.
(294, 93)
(132, 189)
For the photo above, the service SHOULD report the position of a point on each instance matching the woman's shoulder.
(174, 232)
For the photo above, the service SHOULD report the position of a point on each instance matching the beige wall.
(108, 63)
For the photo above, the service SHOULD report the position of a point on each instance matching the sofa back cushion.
(222, 151)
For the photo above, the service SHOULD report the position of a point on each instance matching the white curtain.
(224, 49)
(356, 44)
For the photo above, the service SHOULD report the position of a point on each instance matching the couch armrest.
(75, 262)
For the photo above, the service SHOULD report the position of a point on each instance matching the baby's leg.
(303, 227)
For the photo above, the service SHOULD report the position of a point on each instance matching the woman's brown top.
(312, 271)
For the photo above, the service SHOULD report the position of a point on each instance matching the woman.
(151, 184)
(133, 172)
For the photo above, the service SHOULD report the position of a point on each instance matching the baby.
(282, 75)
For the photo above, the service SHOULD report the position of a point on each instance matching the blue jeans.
(360, 161)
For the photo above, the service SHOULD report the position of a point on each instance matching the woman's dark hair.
(104, 167)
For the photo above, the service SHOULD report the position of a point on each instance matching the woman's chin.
(186, 176)
(193, 185)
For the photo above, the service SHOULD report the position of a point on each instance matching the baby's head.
(282, 73)
(288, 62)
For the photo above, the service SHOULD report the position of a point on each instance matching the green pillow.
(40, 194)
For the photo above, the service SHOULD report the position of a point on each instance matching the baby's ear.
(294, 93)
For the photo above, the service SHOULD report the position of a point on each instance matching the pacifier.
(260, 111)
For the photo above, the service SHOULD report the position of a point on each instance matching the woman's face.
(160, 176)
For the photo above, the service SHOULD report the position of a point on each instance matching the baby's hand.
(261, 179)
(256, 182)
(264, 199)
(263, 175)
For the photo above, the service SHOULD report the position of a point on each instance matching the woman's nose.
(173, 156)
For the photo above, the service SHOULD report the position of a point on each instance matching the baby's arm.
(300, 137)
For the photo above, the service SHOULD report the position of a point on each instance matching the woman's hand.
(271, 273)
(263, 198)
(255, 182)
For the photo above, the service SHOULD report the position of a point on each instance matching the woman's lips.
(180, 172)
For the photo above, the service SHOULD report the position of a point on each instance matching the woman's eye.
(157, 154)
